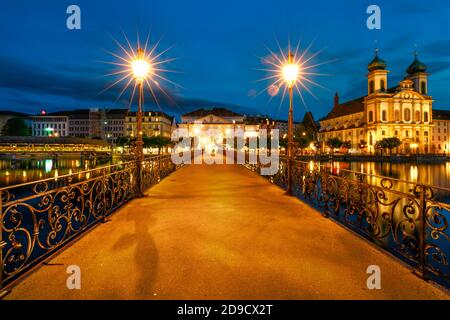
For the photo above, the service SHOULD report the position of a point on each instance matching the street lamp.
(141, 68)
(291, 72)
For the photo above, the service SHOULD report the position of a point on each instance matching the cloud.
(79, 85)
(440, 48)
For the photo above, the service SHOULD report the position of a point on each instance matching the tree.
(156, 142)
(388, 143)
(123, 141)
(16, 127)
(334, 143)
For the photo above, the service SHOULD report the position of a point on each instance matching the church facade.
(403, 111)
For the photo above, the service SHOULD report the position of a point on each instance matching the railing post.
(159, 170)
(422, 231)
(2, 243)
(140, 191)
(289, 175)
(104, 194)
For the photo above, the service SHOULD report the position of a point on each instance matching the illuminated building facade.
(212, 125)
(154, 123)
(50, 125)
(441, 131)
(403, 111)
(106, 124)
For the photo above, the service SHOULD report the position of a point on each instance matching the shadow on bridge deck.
(222, 232)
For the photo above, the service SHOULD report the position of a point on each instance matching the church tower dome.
(417, 66)
(377, 63)
(417, 72)
(377, 77)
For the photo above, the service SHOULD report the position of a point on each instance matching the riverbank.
(421, 159)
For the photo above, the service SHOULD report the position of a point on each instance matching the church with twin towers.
(402, 110)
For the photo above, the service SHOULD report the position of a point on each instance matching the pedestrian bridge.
(221, 232)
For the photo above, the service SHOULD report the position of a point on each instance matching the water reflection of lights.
(413, 173)
(48, 164)
(56, 175)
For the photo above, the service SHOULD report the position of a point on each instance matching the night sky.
(218, 45)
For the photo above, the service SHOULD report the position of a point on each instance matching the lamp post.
(141, 69)
(290, 74)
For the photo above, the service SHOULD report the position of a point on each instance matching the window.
(382, 85)
(370, 116)
(383, 133)
(425, 116)
(417, 133)
(417, 116)
(396, 132)
(371, 87)
(397, 115)
(423, 87)
(407, 115)
(384, 115)
(407, 133)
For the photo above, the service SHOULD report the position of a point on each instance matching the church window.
(417, 116)
(397, 115)
(384, 115)
(423, 87)
(371, 87)
(382, 85)
(370, 116)
(425, 116)
(407, 115)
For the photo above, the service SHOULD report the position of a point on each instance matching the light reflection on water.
(16, 171)
(437, 174)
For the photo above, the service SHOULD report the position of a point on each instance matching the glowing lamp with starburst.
(140, 66)
(291, 71)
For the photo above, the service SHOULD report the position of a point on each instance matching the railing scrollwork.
(408, 219)
(39, 218)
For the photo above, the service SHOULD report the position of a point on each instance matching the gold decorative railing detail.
(39, 218)
(408, 219)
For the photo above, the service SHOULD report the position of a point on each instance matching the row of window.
(423, 86)
(145, 119)
(49, 125)
(406, 116)
(44, 133)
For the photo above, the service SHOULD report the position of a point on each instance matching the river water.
(16, 171)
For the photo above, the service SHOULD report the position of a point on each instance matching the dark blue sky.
(44, 65)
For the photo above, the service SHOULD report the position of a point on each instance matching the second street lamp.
(290, 73)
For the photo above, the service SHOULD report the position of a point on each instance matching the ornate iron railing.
(38, 218)
(408, 219)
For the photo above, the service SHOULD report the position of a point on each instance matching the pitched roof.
(219, 112)
(346, 108)
(441, 114)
